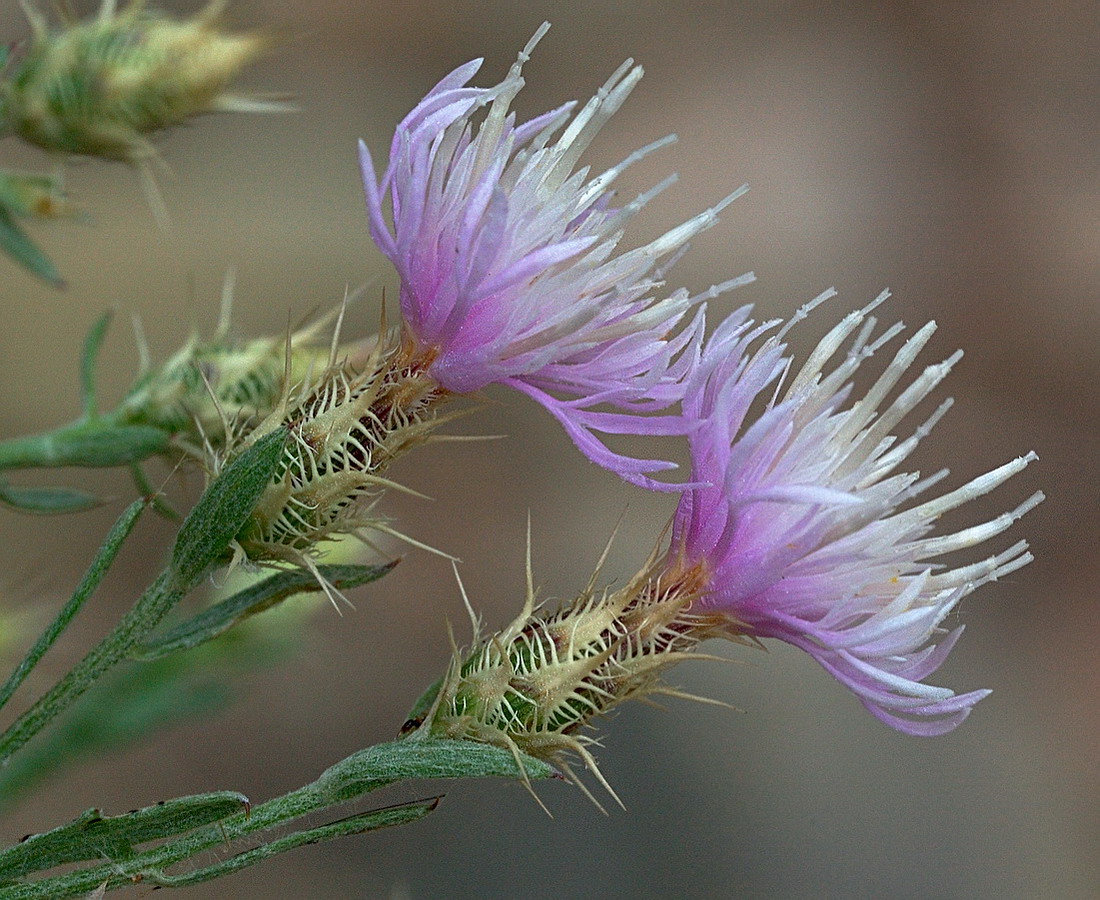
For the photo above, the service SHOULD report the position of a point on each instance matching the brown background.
(946, 150)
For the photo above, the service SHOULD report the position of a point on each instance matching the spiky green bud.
(102, 87)
(346, 426)
(209, 389)
(536, 686)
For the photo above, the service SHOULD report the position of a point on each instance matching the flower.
(805, 531)
(508, 267)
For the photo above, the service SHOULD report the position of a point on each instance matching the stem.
(347, 780)
(148, 867)
(151, 607)
(201, 542)
(95, 443)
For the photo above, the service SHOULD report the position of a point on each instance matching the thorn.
(153, 196)
(145, 362)
(386, 529)
(335, 345)
(475, 622)
(606, 550)
(331, 591)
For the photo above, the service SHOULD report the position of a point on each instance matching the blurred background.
(947, 151)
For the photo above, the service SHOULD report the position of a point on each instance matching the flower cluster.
(797, 526)
(796, 522)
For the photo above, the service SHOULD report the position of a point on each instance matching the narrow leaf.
(224, 508)
(15, 242)
(384, 764)
(94, 444)
(359, 773)
(91, 836)
(88, 357)
(252, 600)
(47, 500)
(374, 820)
(102, 562)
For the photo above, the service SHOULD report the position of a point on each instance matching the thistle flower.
(102, 87)
(508, 265)
(803, 529)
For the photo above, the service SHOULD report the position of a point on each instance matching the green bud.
(535, 687)
(345, 427)
(211, 392)
(208, 386)
(102, 87)
(34, 196)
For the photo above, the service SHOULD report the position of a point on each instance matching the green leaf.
(47, 500)
(387, 817)
(99, 445)
(384, 764)
(252, 600)
(15, 242)
(147, 868)
(93, 836)
(359, 773)
(93, 342)
(203, 539)
(224, 509)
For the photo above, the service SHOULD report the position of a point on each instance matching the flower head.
(508, 265)
(807, 532)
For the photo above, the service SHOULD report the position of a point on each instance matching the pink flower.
(805, 530)
(508, 265)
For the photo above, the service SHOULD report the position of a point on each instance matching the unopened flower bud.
(33, 196)
(212, 390)
(345, 425)
(208, 388)
(535, 686)
(102, 87)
